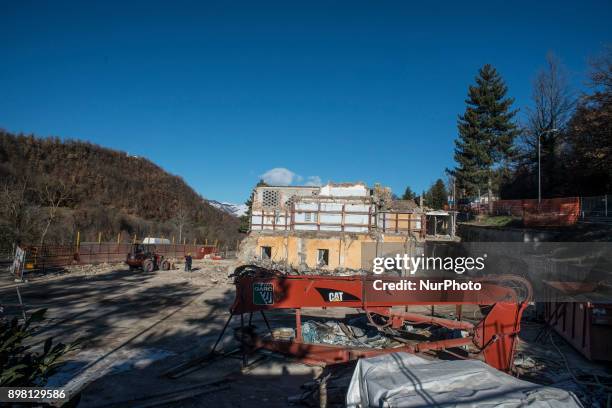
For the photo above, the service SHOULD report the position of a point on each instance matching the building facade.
(336, 226)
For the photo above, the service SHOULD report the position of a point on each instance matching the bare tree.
(14, 200)
(601, 74)
(553, 104)
(17, 211)
(181, 217)
(590, 133)
(52, 197)
(542, 142)
(383, 195)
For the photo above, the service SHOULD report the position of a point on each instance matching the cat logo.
(335, 296)
(263, 293)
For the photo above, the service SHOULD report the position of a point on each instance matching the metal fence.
(596, 209)
(557, 211)
(547, 212)
(53, 256)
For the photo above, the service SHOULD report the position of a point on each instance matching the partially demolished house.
(336, 226)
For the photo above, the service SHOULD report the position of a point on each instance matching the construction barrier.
(49, 256)
(549, 212)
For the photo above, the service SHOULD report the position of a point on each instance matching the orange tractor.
(145, 257)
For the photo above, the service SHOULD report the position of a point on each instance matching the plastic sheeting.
(405, 380)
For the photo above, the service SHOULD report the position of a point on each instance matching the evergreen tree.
(408, 194)
(438, 195)
(486, 133)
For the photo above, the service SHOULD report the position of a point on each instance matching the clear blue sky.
(220, 93)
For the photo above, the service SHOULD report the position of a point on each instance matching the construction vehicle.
(146, 257)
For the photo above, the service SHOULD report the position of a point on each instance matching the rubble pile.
(289, 270)
(88, 269)
(354, 334)
(546, 364)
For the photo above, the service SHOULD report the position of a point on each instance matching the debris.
(283, 333)
(337, 333)
(329, 388)
(524, 362)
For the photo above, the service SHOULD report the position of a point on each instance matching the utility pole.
(553, 130)
(454, 194)
(539, 174)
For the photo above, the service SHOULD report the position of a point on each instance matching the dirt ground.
(133, 327)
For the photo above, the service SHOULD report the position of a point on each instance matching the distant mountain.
(237, 210)
(97, 192)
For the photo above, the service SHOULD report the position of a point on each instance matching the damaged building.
(336, 226)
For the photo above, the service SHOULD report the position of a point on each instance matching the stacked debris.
(338, 333)
(289, 270)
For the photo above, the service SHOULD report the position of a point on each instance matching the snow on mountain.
(234, 209)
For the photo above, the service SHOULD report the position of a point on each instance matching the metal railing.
(399, 222)
(596, 209)
(54, 256)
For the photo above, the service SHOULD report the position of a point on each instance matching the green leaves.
(19, 366)
(408, 194)
(486, 131)
(36, 317)
(437, 195)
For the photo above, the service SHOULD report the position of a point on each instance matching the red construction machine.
(500, 302)
(147, 258)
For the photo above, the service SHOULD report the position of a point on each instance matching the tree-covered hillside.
(50, 189)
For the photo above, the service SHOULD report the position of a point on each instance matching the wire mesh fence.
(546, 212)
(562, 211)
(54, 256)
(596, 209)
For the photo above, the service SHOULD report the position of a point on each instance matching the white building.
(339, 207)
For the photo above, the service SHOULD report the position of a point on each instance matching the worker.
(188, 260)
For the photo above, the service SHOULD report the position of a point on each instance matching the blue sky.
(222, 92)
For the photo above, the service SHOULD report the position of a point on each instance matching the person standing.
(188, 260)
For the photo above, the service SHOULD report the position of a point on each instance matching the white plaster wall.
(356, 190)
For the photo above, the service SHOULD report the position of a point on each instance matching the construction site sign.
(18, 260)
(263, 293)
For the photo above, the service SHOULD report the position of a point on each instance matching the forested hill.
(76, 186)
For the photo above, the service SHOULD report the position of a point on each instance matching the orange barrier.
(93, 253)
(550, 212)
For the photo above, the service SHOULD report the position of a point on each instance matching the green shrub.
(20, 365)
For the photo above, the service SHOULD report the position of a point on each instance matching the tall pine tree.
(486, 133)
(408, 194)
(438, 194)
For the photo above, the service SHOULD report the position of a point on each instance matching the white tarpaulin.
(405, 380)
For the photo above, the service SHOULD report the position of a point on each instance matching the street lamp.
(539, 164)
